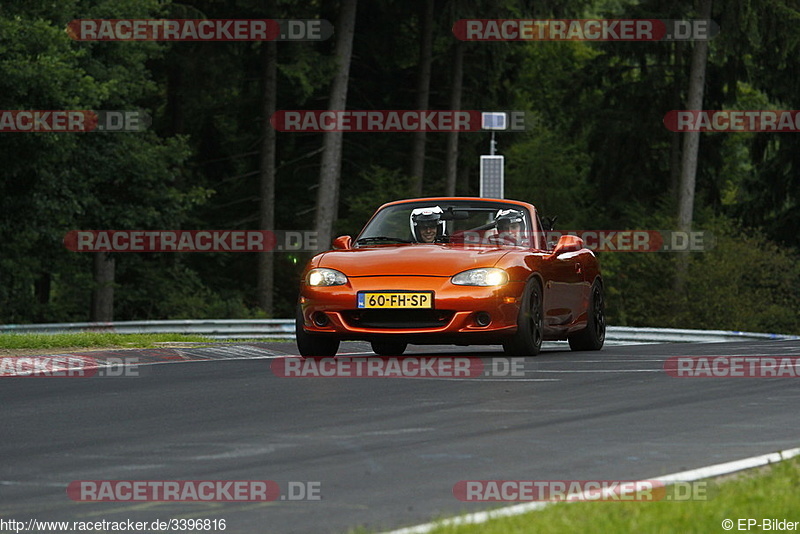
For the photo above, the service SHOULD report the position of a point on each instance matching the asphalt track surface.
(385, 452)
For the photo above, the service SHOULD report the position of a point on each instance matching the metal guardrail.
(679, 335)
(284, 329)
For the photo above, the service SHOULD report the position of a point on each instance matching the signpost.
(492, 166)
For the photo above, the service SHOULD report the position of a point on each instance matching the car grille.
(397, 318)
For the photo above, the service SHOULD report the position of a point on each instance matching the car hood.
(431, 260)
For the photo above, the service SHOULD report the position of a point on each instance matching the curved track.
(386, 451)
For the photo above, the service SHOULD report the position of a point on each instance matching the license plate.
(395, 300)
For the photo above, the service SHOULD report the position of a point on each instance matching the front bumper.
(454, 317)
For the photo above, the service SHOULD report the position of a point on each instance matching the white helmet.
(421, 217)
(504, 218)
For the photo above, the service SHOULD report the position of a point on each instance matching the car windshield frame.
(392, 222)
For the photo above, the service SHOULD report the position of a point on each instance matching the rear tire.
(594, 335)
(389, 348)
(530, 323)
(313, 345)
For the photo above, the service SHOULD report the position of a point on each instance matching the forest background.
(597, 155)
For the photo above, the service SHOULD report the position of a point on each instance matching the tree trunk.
(103, 293)
(675, 137)
(674, 164)
(451, 158)
(423, 94)
(691, 145)
(266, 207)
(330, 168)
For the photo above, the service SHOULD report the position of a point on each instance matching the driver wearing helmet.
(427, 225)
(510, 226)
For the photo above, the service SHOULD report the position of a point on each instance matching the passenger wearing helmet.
(427, 225)
(510, 226)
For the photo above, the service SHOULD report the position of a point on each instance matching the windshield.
(432, 221)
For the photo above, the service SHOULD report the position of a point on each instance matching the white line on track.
(596, 370)
(629, 360)
(61, 485)
(485, 379)
(683, 476)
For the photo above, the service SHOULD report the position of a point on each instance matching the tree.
(330, 169)
(56, 182)
(691, 144)
(267, 178)
(426, 17)
(451, 157)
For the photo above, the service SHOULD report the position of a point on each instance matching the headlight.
(488, 276)
(325, 277)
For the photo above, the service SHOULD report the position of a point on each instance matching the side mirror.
(342, 242)
(568, 243)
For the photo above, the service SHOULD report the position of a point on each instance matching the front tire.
(389, 348)
(313, 345)
(594, 335)
(530, 323)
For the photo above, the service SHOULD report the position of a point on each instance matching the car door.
(564, 290)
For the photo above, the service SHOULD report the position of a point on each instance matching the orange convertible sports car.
(459, 271)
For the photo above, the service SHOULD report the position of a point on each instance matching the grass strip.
(765, 495)
(83, 340)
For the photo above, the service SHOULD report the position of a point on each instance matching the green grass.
(92, 339)
(773, 495)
